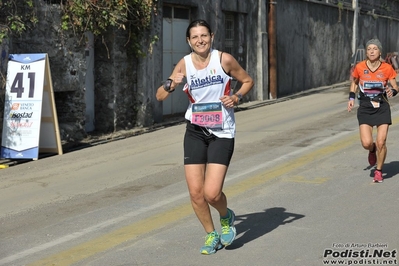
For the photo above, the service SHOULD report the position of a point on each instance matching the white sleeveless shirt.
(208, 85)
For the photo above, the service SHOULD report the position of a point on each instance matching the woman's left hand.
(228, 101)
(390, 92)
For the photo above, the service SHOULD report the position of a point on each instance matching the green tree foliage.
(97, 15)
(80, 16)
(16, 16)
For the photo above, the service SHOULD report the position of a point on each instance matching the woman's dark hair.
(195, 23)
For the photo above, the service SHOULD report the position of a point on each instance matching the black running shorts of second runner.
(201, 147)
(367, 114)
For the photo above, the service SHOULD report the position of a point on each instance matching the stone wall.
(67, 65)
(115, 84)
(315, 40)
(118, 105)
(314, 49)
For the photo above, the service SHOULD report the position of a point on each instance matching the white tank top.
(208, 85)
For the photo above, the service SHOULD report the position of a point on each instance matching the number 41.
(18, 87)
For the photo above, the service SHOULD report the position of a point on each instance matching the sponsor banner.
(23, 106)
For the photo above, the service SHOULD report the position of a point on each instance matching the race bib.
(375, 104)
(373, 85)
(207, 115)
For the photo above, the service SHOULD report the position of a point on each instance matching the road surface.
(299, 183)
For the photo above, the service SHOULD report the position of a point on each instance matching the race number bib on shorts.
(207, 115)
(375, 104)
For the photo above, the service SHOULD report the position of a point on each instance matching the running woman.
(371, 77)
(211, 128)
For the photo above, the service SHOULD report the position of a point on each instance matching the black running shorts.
(367, 114)
(201, 147)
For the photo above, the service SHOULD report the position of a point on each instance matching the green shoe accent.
(212, 243)
(228, 230)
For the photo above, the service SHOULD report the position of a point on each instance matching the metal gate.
(175, 47)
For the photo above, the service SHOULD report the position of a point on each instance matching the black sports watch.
(239, 96)
(167, 85)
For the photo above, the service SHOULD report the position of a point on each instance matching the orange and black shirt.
(373, 83)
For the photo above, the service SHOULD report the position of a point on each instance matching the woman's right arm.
(177, 76)
(352, 93)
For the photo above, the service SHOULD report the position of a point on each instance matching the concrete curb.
(93, 140)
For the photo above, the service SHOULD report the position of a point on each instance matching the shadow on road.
(255, 225)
